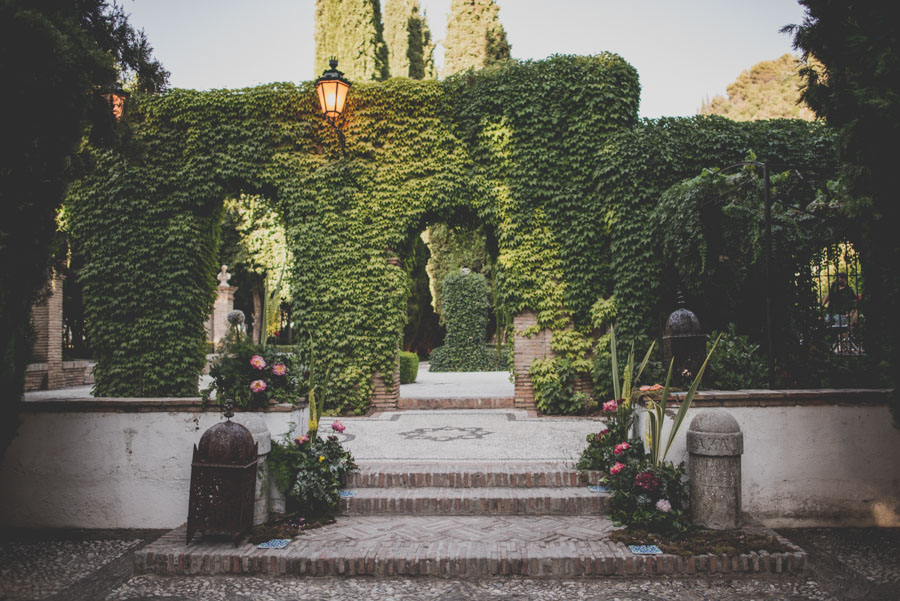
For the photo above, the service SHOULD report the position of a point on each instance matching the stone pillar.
(47, 320)
(526, 350)
(224, 304)
(715, 444)
(263, 438)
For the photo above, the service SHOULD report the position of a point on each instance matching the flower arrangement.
(310, 471)
(254, 376)
(647, 491)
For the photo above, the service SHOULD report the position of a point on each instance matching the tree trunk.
(258, 325)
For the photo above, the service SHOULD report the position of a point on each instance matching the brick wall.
(47, 320)
(382, 398)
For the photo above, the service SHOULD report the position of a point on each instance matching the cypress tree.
(475, 37)
(408, 39)
(352, 32)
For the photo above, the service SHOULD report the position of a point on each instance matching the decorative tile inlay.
(446, 433)
(275, 543)
(645, 549)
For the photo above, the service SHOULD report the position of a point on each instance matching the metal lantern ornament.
(223, 481)
(116, 99)
(332, 91)
(685, 341)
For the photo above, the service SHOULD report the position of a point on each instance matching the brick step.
(473, 501)
(476, 475)
(499, 402)
(452, 547)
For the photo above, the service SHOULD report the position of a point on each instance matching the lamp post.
(767, 250)
(332, 90)
(116, 98)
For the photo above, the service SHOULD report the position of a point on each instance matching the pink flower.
(664, 505)
(622, 446)
(257, 362)
(618, 467)
(603, 433)
(647, 480)
(301, 439)
(279, 369)
(338, 427)
(610, 406)
(257, 385)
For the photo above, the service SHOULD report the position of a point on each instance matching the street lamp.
(116, 99)
(332, 90)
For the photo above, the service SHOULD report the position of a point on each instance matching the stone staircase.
(487, 489)
(456, 520)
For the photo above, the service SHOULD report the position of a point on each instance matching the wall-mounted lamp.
(332, 90)
(116, 99)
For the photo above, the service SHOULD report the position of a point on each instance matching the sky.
(684, 50)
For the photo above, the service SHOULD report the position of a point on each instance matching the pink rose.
(647, 480)
(610, 406)
(301, 439)
(338, 427)
(257, 385)
(618, 467)
(664, 505)
(603, 433)
(622, 446)
(279, 369)
(257, 362)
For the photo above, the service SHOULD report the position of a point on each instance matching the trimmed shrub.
(409, 367)
(466, 306)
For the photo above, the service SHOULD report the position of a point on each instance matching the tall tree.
(55, 57)
(769, 90)
(408, 39)
(858, 93)
(475, 37)
(351, 32)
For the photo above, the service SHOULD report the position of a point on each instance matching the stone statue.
(223, 277)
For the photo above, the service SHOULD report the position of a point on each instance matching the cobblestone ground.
(845, 564)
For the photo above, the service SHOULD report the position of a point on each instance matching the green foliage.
(562, 185)
(736, 364)
(54, 58)
(408, 40)
(409, 367)
(554, 386)
(451, 250)
(475, 37)
(352, 32)
(466, 307)
(769, 90)
(857, 92)
(240, 367)
(310, 472)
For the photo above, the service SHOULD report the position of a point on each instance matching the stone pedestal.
(263, 438)
(715, 444)
(217, 325)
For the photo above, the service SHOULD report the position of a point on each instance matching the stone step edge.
(498, 476)
(411, 403)
(474, 501)
(456, 561)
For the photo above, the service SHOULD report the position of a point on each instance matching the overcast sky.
(683, 50)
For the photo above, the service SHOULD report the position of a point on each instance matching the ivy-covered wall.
(548, 156)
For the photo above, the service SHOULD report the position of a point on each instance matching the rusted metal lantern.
(223, 481)
(685, 341)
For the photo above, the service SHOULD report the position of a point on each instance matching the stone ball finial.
(223, 277)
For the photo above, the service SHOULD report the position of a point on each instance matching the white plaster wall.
(813, 465)
(107, 470)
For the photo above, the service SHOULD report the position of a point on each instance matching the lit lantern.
(332, 89)
(116, 98)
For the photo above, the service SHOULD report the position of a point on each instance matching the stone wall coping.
(137, 405)
(781, 398)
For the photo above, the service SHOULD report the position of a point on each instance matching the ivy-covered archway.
(549, 154)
